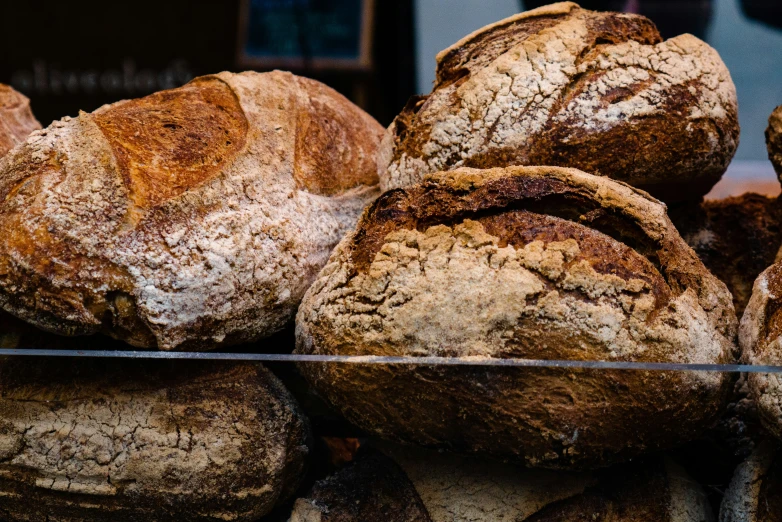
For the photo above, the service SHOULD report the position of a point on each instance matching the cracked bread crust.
(774, 140)
(458, 488)
(16, 119)
(189, 219)
(529, 262)
(565, 86)
(138, 440)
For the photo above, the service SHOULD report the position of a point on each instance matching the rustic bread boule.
(528, 262)
(188, 219)
(774, 140)
(451, 488)
(754, 492)
(105, 440)
(16, 118)
(561, 85)
(736, 238)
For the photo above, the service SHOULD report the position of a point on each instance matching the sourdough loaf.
(96, 440)
(16, 118)
(451, 488)
(525, 262)
(754, 492)
(188, 219)
(561, 85)
(774, 140)
(736, 238)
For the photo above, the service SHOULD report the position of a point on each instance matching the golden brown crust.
(736, 238)
(98, 440)
(188, 219)
(16, 119)
(574, 88)
(530, 262)
(774, 140)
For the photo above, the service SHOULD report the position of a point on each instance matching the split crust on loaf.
(189, 219)
(456, 488)
(565, 86)
(16, 119)
(146, 440)
(520, 262)
(774, 140)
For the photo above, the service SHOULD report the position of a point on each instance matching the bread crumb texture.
(570, 87)
(491, 271)
(16, 118)
(188, 219)
(139, 441)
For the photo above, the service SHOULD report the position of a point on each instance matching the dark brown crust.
(736, 238)
(774, 140)
(173, 141)
(769, 497)
(16, 118)
(327, 122)
(199, 396)
(373, 487)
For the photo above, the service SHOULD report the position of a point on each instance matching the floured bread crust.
(565, 86)
(753, 494)
(774, 140)
(189, 219)
(456, 488)
(99, 440)
(16, 118)
(736, 238)
(529, 262)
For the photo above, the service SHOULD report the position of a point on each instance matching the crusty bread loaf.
(96, 440)
(774, 140)
(16, 118)
(191, 218)
(760, 334)
(736, 238)
(754, 492)
(451, 488)
(530, 262)
(561, 85)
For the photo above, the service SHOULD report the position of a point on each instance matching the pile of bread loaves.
(544, 201)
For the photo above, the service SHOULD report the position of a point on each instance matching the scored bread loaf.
(16, 118)
(188, 219)
(437, 487)
(521, 262)
(736, 238)
(774, 140)
(88, 440)
(560, 85)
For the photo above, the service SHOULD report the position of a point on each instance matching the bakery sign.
(305, 34)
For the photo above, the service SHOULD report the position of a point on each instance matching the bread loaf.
(736, 238)
(774, 140)
(753, 494)
(459, 489)
(97, 440)
(561, 85)
(524, 262)
(760, 333)
(189, 219)
(16, 118)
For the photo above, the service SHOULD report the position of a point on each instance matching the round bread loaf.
(447, 488)
(760, 337)
(560, 85)
(774, 140)
(526, 262)
(754, 492)
(16, 118)
(97, 440)
(189, 219)
(736, 238)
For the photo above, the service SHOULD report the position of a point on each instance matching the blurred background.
(78, 55)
